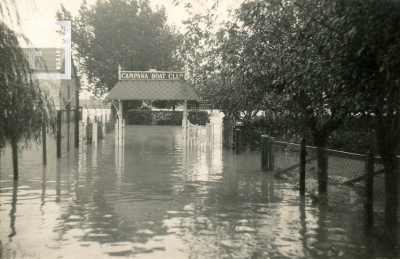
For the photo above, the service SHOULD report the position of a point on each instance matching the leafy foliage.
(325, 60)
(24, 105)
(122, 32)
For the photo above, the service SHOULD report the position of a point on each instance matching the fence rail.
(337, 153)
(344, 169)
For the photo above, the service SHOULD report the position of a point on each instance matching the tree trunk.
(387, 130)
(322, 172)
(14, 146)
(392, 196)
(391, 164)
(322, 161)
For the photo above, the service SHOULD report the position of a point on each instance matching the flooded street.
(154, 199)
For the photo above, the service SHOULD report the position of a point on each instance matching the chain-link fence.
(346, 172)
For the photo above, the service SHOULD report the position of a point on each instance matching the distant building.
(95, 109)
(49, 64)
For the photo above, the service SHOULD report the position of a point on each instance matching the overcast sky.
(32, 11)
(45, 10)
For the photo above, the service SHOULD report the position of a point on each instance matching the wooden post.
(302, 180)
(68, 108)
(103, 132)
(208, 134)
(231, 126)
(271, 153)
(14, 147)
(369, 191)
(264, 153)
(238, 140)
(58, 182)
(123, 132)
(94, 134)
(105, 124)
(184, 124)
(116, 131)
(59, 133)
(44, 144)
(120, 134)
(77, 113)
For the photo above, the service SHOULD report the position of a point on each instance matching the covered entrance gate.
(158, 85)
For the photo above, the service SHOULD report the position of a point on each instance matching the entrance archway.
(156, 85)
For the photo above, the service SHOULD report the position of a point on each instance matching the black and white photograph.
(191, 129)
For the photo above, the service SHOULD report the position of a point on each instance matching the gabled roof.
(152, 90)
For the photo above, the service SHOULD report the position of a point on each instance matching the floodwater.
(154, 199)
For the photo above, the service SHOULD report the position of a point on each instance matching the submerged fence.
(355, 181)
(97, 121)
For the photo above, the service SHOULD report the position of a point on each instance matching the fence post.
(94, 134)
(123, 132)
(105, 128)
(369, 191)
(238, 140)
(230, 133)
(264, 153)
(77, 113)
(302, 180)
(271, 152)
(59, 133)
(14, 146)
(44, 145)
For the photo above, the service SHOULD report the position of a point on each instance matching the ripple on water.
(162, 201)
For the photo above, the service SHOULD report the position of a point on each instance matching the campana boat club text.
(152, 75)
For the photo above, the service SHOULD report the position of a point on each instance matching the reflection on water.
(13, 210)
(153, 198)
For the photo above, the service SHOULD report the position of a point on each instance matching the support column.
(184, 124)
(116, 131)
(123, 132)
(120, 124)
(216, 127)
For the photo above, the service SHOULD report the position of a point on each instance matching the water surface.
(154, 198)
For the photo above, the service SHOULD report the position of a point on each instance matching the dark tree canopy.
(118, 32)
(325, 59)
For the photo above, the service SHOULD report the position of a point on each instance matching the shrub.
(138, 117)
(352, 136)
(199, 117)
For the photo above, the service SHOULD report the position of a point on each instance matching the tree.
(371, 68)
(25, 106)
(332, 58)
(274, 49)
(122, 32)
